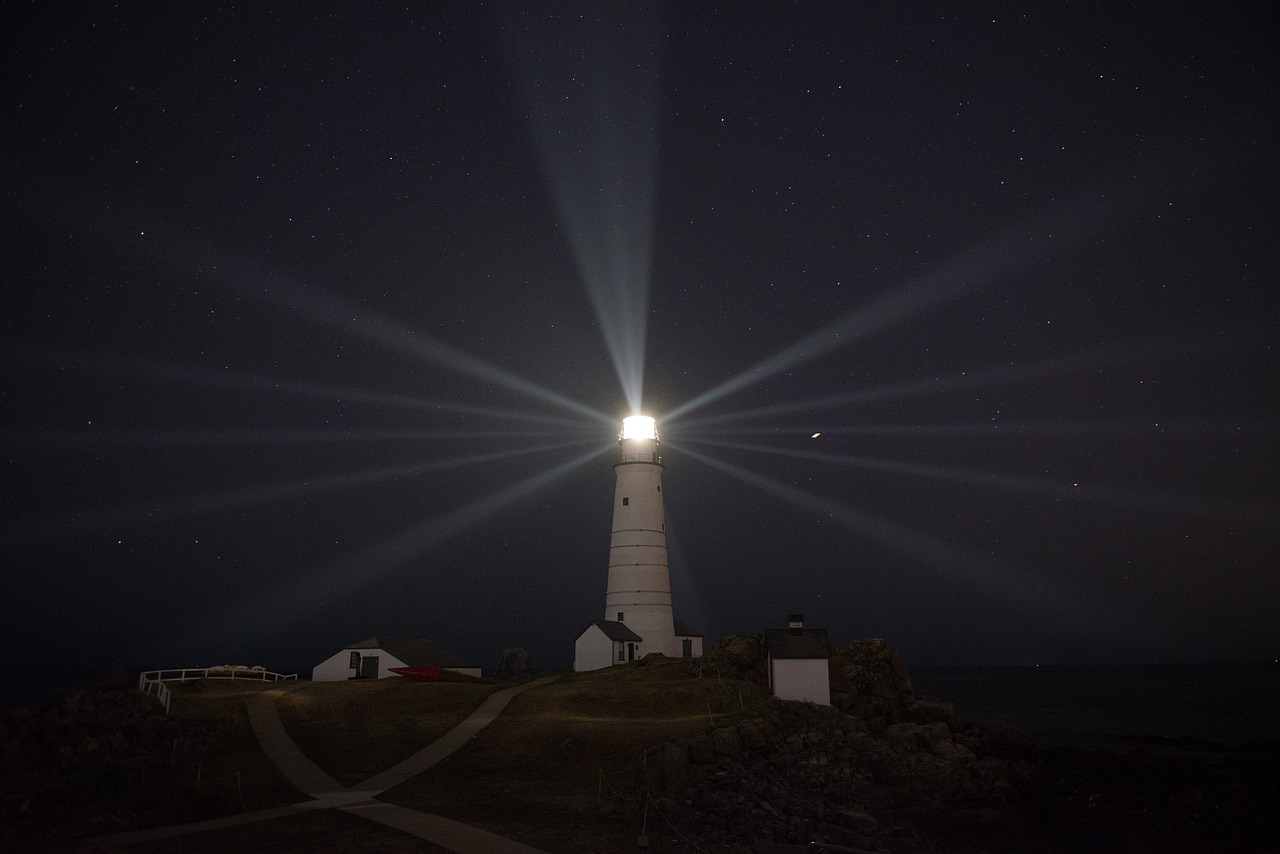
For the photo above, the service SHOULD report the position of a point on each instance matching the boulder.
(871, 681)
(743, 654)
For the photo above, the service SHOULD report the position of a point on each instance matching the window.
(620, 617)
(659, 487)
(621, 655)
(626, 501)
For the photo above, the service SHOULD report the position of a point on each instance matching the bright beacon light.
(639, 427)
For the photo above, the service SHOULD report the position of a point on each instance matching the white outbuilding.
(371, 659)
(608, 642)
(799, 659)
(604, 643)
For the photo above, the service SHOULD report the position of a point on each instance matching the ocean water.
(1091, 705)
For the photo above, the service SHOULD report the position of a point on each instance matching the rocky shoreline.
(885, 770)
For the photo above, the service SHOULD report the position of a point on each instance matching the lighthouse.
(638, 618)
(639, 591)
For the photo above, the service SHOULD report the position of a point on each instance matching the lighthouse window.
(659, 487)
(626, 501)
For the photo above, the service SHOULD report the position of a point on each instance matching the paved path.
(360, 799)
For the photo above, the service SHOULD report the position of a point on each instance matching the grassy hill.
(537, 773)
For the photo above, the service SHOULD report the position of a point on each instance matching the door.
(368, 667)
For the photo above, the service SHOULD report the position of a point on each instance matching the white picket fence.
(156, 682)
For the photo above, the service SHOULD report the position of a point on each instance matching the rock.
(724, 742)
(904, 733)
(951, 752)
(741, 653)
(857, 819)
(1002, 739)
(935, 732)
(923, 710)
(871, 681)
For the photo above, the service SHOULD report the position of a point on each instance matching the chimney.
(796, 624)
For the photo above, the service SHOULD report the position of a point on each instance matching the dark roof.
(415, 652)
(616, 631)
(684, 630)
(797, 643)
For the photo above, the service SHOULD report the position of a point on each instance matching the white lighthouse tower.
(639, 592)
(637, 606)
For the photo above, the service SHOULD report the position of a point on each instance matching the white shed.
(604, 643)
(798, 662)
(371, 658)
(688, 640)
(608, 642)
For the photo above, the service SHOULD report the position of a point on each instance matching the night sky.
(319, 322)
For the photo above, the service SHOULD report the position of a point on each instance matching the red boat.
(431, 673)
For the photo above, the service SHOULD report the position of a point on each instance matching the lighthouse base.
(606, 643)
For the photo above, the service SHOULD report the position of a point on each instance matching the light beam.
(1052, 231)
(589, 83)
(1020, 587)
(262, 615)
(85, 522)
(1131, 499)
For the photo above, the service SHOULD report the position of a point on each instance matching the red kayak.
(431, 673)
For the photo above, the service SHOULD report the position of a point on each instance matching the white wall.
(805, 679)
(697, 646)
(338, 666)
(592, 650)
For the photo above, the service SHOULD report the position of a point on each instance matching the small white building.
(688, 640)
(608, 642)
(604, 643)
(371, 659)
(798, 662)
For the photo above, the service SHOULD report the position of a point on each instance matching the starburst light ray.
(261, 616)
(589, 83)
(77, 439)
(200, 259)
(87, 522)
(996, 429)
(1055, 229)
(181, 373)
(325, 307)
(1130, 499)
(1018, 586)
(1004, 374)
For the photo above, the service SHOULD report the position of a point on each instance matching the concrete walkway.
(360, 799)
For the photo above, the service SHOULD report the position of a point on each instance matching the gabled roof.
(617, 631)
(797, 643)
(415, 652)
(684, 630)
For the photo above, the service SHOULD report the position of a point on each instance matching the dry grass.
(356, 729)
(562, 768)
(247, 779)
(316, 832)
(215, 699)
(559, 769)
